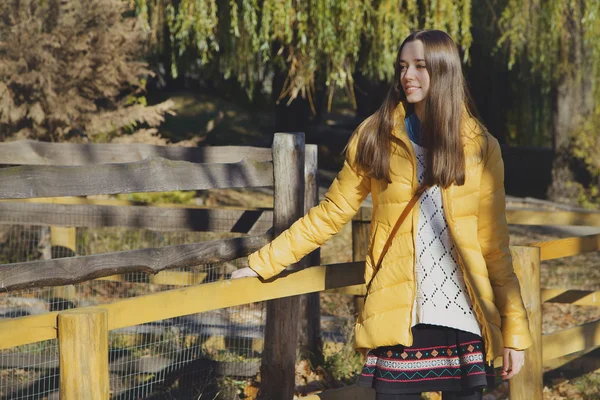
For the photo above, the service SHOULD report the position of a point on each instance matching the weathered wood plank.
(190, 300)
(520, 216)
(309, 328)
(150, 175)
(356, 290)
(568, 247)
(571, 340)
(64, 271)
(31, 152)
(141, 217)
(83, 354)
(281, 328)
(575, 297)
(360, 246)
(173, 278)
(534, 217)
(364, 214)
(575, 361)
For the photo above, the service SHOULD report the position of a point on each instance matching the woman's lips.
(411, 89)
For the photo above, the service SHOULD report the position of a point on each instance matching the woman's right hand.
(243, 273)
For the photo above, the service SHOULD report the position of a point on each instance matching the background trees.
(295, 51)
(558, 43)
(534, 75)
(71, 68)
(532, 65)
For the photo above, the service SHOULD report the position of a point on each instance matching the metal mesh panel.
(187, 357)
(30, 372)
(202, 356)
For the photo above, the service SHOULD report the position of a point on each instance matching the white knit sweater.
(441, 297)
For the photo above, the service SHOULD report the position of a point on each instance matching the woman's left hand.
(243, 273)
(512, 361)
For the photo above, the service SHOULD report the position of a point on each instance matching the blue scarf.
(413, 127)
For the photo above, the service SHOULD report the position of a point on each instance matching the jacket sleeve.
(494, 241)
(341, 202)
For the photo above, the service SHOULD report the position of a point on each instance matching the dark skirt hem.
(440, 359)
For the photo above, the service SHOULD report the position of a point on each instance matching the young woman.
(443, 300)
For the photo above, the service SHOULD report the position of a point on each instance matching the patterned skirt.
(440, 359)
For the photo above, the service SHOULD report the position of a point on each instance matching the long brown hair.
(448, 98)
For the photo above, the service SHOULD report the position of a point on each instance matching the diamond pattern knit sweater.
(441, 297)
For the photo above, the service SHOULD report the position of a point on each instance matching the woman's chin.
(414, 99)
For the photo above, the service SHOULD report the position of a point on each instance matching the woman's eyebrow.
(416, 60)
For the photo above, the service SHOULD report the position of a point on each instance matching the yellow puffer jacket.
(475, 213)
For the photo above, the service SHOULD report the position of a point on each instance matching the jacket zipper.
(484, 328)
(413, 159)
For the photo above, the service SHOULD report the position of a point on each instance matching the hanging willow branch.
(249, 37)
(540, 32)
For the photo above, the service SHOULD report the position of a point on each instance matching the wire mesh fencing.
(201, 356)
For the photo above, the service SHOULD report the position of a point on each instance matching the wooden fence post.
(360, 244)
(528, 384)
(310, 343)
(83, 348)
(64, 242)
(281, 329)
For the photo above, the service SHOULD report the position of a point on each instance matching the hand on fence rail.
(243, 273)
(512, 362)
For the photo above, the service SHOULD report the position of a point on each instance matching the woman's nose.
(409, 73)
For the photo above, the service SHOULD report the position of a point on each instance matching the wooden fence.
(284, 172)
(48, 170)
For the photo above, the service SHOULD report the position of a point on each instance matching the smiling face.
(414, 76)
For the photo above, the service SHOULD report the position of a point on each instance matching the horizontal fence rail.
(64, 271)
(92, 213)
(189, 300)
(149, 175)
(146, 217)
(171, 278)
(568, 247)
(575, 297)
(521, 216)
(30, 152)
(571, 340)
(537, 217)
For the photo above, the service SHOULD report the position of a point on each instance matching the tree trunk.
(573, 102)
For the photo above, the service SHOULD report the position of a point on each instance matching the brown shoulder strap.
(401, 219)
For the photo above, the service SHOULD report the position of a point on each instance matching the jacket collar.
(399, 129)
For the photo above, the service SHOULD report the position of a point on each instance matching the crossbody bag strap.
(401, 219)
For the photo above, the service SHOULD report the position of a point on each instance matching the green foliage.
(344, 363)
(305, 37)
(586, 147)
(556, 43)
(541, 32)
